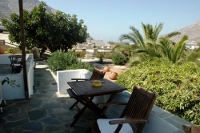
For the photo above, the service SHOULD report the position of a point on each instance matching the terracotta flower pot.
(113, 75)
(106, 69)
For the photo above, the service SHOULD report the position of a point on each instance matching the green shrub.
(65, 61)
(60, 61)
(106, 55)
(80, 54)
(98, 54)
(177, 86)
(119, 58)
(12, 50)
(81, 65)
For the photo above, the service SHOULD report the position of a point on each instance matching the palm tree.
(124, 48)
(150, 45)
(146, 44)
(150, 34)
(192, 56)
(173, 51)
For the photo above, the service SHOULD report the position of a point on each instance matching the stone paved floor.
(44, 112)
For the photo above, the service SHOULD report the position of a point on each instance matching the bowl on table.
(96, 83)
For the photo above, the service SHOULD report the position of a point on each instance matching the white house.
(192, 45)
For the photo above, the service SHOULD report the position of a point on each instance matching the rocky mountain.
(192, 31)
(8, 7)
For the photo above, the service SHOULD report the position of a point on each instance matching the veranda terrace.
(48, 111)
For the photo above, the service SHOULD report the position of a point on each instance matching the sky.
(107, 20)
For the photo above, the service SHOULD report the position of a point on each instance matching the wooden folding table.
(87, 92)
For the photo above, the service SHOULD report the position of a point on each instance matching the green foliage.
(192, 56)
(177, 86)
(68, 60)
(133, 61)
(151, 34)
(98, 54)
(11, 50)
(81, 65)
(101, 56)
(61, 60)
(119, 58)
(173, 51)
(125, 48)
(47, 30)
(80, 54)
(106, 55)
(150, 45)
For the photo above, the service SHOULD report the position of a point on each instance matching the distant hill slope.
(193, 32)
(8, 7)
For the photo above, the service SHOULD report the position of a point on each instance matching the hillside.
(193, 32)
(8, 7)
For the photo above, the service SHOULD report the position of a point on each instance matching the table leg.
(103, 110)
(91, 105)
(106, 107)
(77, 116)
(95, 108)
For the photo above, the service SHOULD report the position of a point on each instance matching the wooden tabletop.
(85, 88)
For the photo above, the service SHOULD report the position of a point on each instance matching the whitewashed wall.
(65, 76)
(13, 92)
(4, 59)
(10, 92)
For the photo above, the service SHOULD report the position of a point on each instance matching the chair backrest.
(139, 105)
(97, 74)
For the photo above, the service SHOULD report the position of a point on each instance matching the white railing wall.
(4, 59)
(65, 76)
(13, 92)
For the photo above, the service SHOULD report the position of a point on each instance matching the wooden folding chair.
(16, 65)
(97, 74)
(135, 114)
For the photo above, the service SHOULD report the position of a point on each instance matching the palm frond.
(179, 48)
(172, 34)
